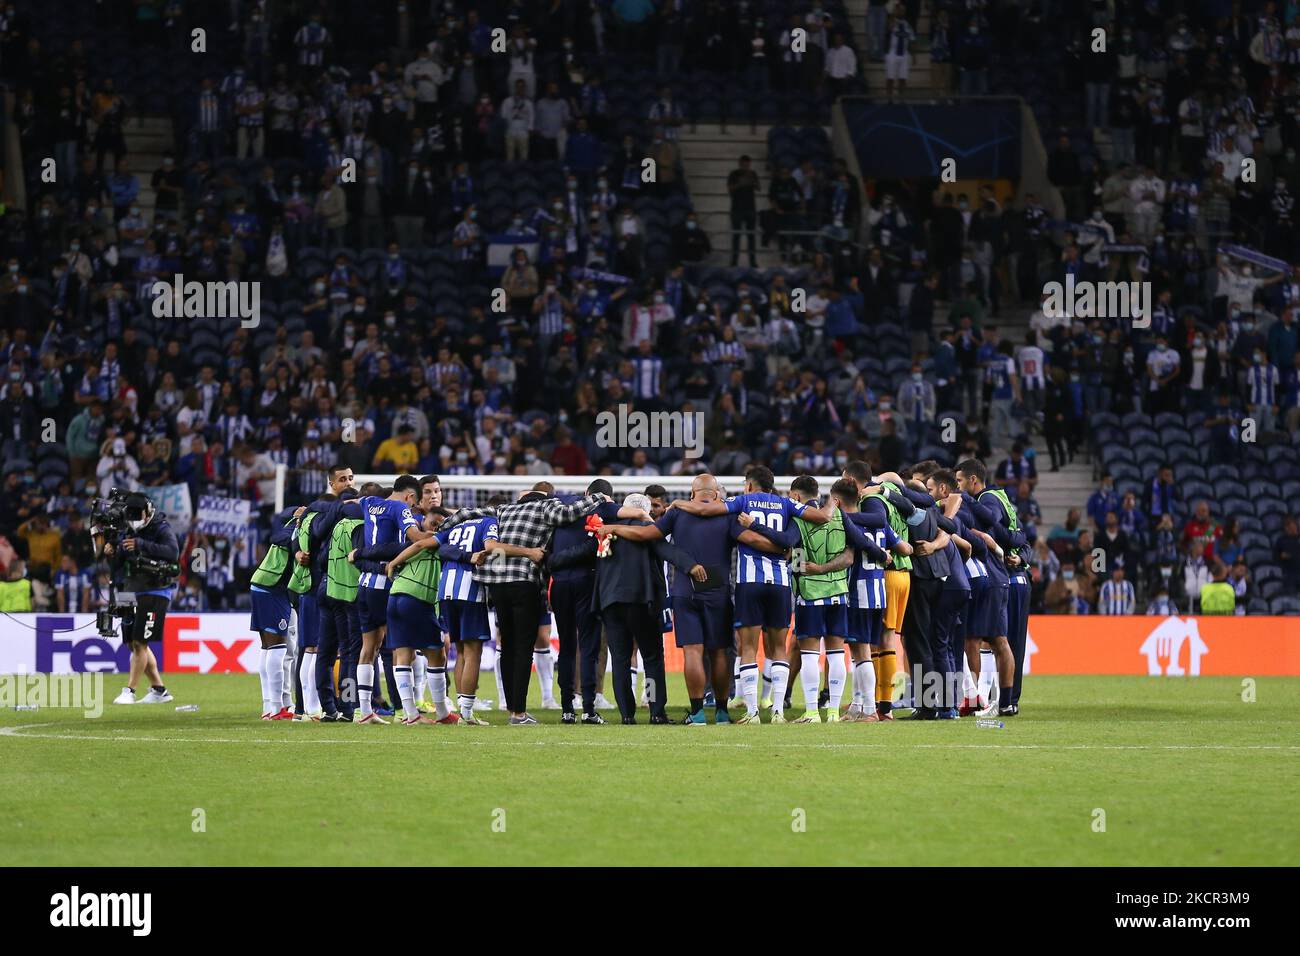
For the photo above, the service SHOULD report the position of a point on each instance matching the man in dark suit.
(946, 234)
(876, 283)
(572, 564)
(629, 595)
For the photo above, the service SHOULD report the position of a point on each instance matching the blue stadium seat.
(1168, 419)
(1234, 506)
(1123, 469)
(1290, 606)
(1251, 538)
(1271, 508)
(1152, 455)
(1263, 489)
(1269, 588)
(1256, 556)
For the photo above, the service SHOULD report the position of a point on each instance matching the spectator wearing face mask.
(1063, 593)
(1162, 370)
(1263, 391)
(1162, 604)
(1195, 572)
(1200, 374)
(690, 242)
(1102, 501)
(916, 406)
(1240, 284)
(973, 54)
(520, 118)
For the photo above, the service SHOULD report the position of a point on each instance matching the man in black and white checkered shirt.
(514, 579)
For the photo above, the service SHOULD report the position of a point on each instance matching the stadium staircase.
(147, 138)
(710, 151)
(918, 80)
(1059, 491)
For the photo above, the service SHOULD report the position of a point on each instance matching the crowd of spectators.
(609, 297)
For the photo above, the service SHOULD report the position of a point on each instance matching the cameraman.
(147, 534)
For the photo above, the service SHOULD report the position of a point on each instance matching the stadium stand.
(522, 170)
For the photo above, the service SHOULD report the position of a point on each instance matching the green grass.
(1186, 773)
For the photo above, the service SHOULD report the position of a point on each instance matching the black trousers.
(943, 646)
(340, 638)
(516, 604)
(742, 221)
(579, 631)
(918, 636)
(642, 624)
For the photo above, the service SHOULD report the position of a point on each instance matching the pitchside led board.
(1058, 644)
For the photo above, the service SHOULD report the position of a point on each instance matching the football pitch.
(1097, 771)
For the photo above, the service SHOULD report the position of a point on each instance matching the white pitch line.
(624, 744)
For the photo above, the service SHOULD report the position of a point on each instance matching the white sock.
(438, 689)
(810, 676)
(767, 679)
(266, 689)
(365, 687)
(287, 670)
(780, 678)
(275, 676)
(735, 678)
(968, 688)
(836, 671)
(419, 672)
(749, 687)
(466, 704)
(501, 688)
(545, 674)
(988, 682)
(864, 683)
(405, 690)
(638, 667)
(310, 692)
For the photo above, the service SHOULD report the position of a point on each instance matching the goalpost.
(473, 491)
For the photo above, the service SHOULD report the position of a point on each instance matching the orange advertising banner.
(1171, 646)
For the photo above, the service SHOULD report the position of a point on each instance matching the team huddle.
(386, 579)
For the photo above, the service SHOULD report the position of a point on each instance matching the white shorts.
(896, 66)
